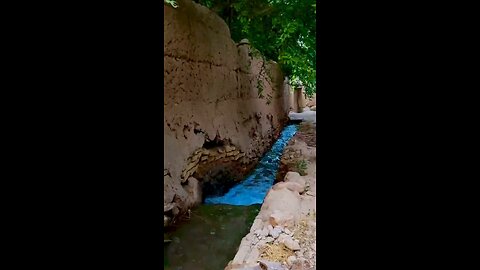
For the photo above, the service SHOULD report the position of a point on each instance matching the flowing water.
(253, 189)
(210, 238)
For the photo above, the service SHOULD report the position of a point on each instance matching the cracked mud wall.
(211, 93)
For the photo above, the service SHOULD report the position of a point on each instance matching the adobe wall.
(212, 102)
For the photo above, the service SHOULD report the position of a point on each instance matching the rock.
(196, 156)
(275, 232)
(229, 148)
(253, 256)
(291, 260)
(239, 156)
(299, 264)
(292, 186)
(267, 265)
(194, 190)
(283, 201)
(262, 232)
(257, 224)
(261, 243)
(269, 239)
(287, 231)
(291, 244)
(191, 165)
(175, 210)
(281, 238)
(295, 177)
(191, 171)
(243, 251)
(280, 218)
(313, 108)
(169, 206)
(265, 231)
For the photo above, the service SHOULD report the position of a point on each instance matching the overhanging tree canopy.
(282, 30)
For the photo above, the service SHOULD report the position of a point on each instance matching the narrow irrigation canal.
(210, 238)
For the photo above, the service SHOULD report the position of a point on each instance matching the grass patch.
(301, 167)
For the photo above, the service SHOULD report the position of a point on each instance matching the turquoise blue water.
(254, 188)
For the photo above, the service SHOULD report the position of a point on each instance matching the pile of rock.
(192, 197)
(203, 156)
(283, 235)
(276, 228)
(203, 160)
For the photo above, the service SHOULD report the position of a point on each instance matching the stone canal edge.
(283, 235)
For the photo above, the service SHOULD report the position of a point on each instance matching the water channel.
(210, 238)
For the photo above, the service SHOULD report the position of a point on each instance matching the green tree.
(282, 30)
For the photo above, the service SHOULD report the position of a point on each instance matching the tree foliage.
(282, 30)
(172, 3)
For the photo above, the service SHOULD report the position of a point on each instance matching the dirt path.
(283, 235)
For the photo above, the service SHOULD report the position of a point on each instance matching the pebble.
(270, 265)
(292, 244)
(169, 206)
(291, 260)
(275, 232)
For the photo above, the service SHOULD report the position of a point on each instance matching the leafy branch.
(173, 3)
